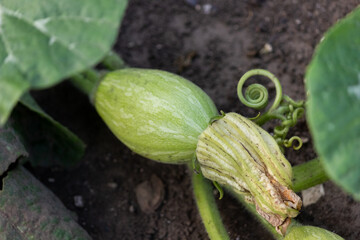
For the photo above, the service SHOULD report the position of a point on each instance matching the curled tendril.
(289, 142)
(256, 95)
(195, 165)
(196, 169)
(215, 118)
(288, 113)
(256, 117)
(284, 108)
(297, 114)
(219, 188)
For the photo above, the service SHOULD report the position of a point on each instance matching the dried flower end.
(236, 152)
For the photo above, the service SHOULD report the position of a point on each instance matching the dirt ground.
(211, 43)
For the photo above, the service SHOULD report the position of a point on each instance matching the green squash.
(157, 114)
(310, 233)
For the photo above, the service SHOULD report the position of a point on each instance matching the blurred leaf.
(333, 82)
(28, 210)
(11, 148)
(44, 41)
(48, 142)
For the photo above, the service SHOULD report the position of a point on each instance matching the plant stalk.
(308, 174)
(207, 208)
(86, 81)
(113, 61)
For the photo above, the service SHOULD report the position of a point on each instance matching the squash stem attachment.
(89, 80)
(86, 81)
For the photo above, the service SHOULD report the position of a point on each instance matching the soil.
(211, 43)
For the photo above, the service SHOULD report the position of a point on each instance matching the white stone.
(78, 201)
(312, 195)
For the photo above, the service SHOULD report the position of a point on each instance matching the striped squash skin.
(310, 233)
(157, 114)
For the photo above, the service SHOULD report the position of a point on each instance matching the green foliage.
(48, 142)
(11, 148)
(28, 210)
(333, 82)
(44, 41)
(157, 114)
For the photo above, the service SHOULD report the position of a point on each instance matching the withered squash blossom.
(235, 151)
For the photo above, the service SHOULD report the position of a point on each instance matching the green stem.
(112, 61)
(308, 174)
(88, 80)
(207, 208)
(85, 81)
(264, 118)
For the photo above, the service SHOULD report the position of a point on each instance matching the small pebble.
(78, 201)
(51, 180)
(312, 195)
(305, 139)
(267, 48)
(131, 209)
(207, 8)
(112, 185)
(159, 46)
(150, 194)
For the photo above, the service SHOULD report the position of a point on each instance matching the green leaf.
(28, 210)
(333, 82)
(48, 142)
(11, 148)
(45, 41)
